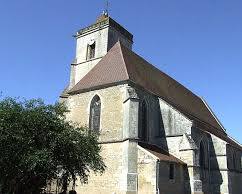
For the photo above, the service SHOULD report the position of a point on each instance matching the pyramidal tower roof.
(121, 65)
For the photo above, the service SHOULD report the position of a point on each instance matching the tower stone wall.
(104, 34)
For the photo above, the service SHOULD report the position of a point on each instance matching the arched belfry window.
(95, 113)
(91, 49)
(143, 121)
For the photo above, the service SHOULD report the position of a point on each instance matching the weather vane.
(107, 7)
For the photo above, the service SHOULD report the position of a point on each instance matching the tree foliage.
(38, 145)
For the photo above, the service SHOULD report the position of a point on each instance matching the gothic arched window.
(95, 113)
(143, 121)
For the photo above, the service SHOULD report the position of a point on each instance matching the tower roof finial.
(106, 11)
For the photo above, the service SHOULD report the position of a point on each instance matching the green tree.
(39, 145)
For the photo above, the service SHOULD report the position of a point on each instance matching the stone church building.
(157, 136)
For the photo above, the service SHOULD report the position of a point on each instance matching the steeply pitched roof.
(121, 64)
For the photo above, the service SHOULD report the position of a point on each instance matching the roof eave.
(83, 90)
(213, 114)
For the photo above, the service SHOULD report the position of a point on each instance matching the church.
(157, 137)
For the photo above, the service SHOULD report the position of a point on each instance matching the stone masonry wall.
(101, 42)
(167, 186)
(175, 123)
(146, 172)
(111, 123)
(110, 181)
(111, 126)
(129, 167)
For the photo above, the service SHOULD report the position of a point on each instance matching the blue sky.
(196, 42)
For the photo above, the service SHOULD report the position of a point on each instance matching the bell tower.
(93, 42)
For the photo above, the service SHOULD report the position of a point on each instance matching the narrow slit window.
(234, 161)
(202, 156)
(172, 172)
(241, 161)
(202, 160)
(143, 121)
